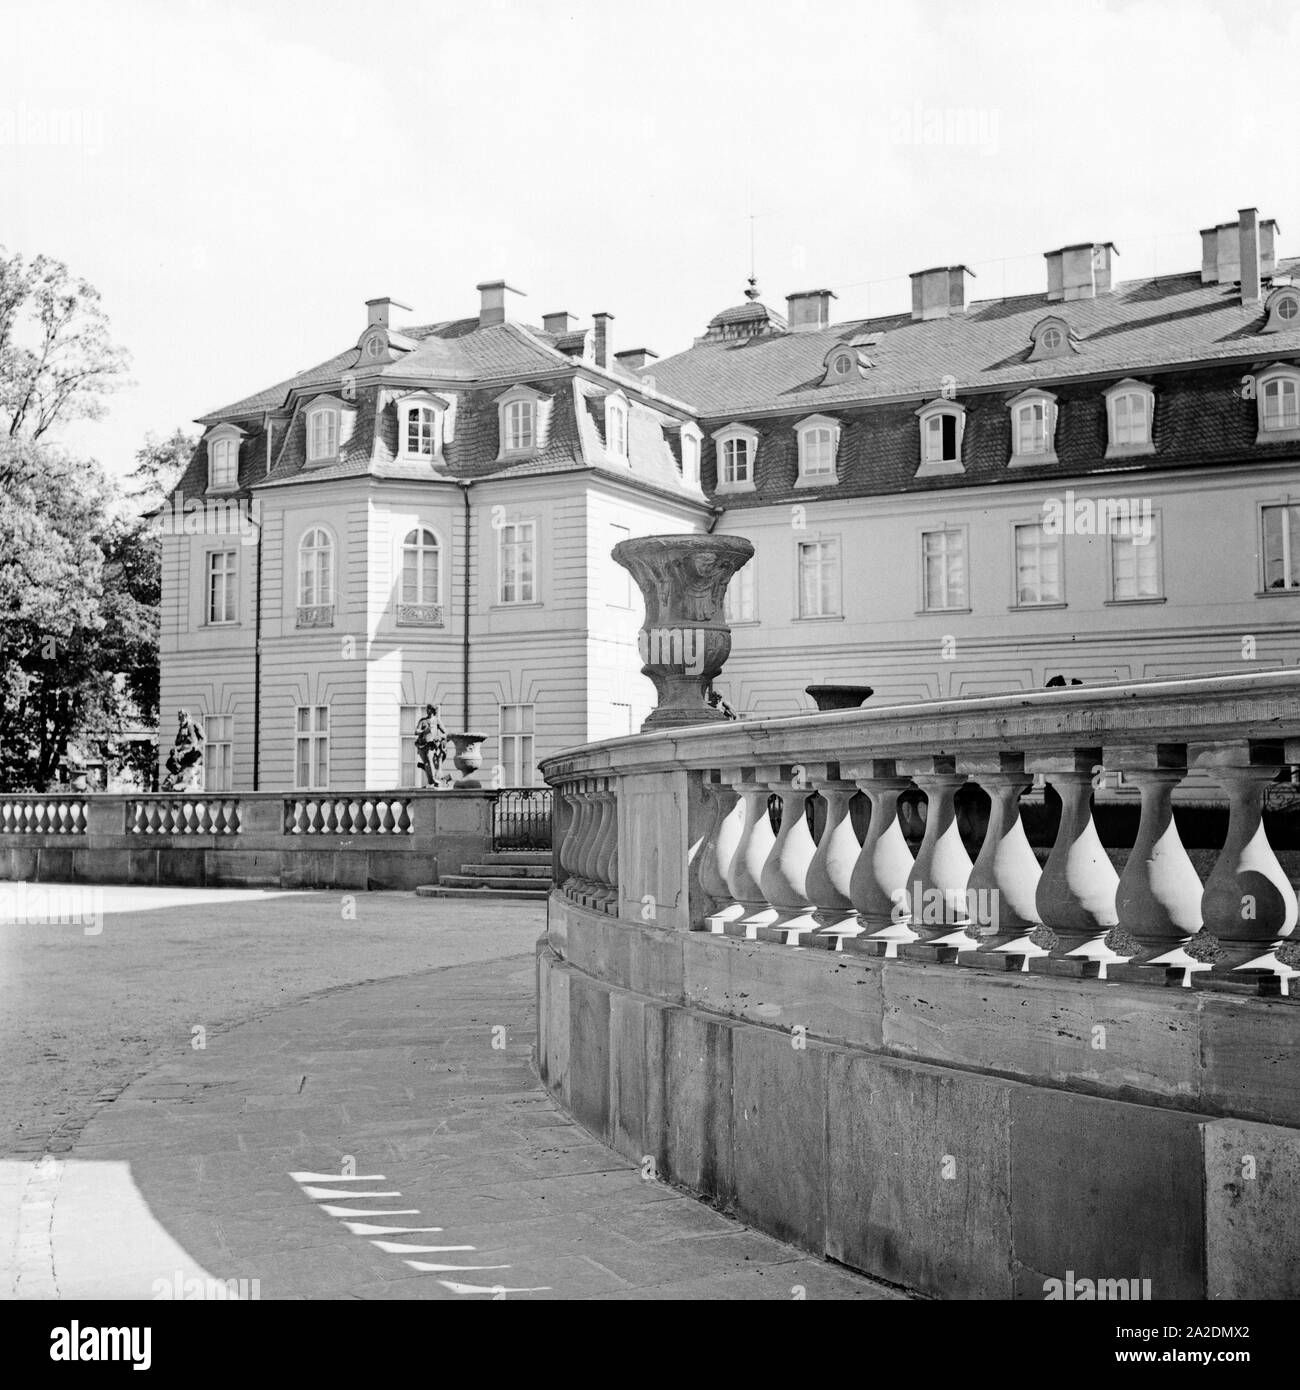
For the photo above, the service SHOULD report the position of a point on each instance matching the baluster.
(830, 874)
(1158, 901)
(600, 894)
(756, 841)
(564, 856)
(608, 861)
(156, 809)
(1004, 880)
(1249, 907)
(202, 818)
(293, 816)
(941, 874)
(718, 852)
(784, 879)
(367, 817)
(582, 825)
(63, 817)
(591, 845)
(1076, 894)
(315, 817)
(405, 820)
(878, 885)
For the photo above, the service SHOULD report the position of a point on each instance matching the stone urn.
(685, 639)
(467, 757)
(828, 697)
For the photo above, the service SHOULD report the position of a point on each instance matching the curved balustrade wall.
(816, 1024)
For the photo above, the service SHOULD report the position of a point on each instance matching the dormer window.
(421, 426)
(522, 416)
(616, 425)
(1033, 428)
(1282, 309)
(943, 423)
(690, 459)
(325, 418)
(1130, 411)
(1051, 337)
(843, 362)
(1278, 400)
(223, 456)
(819, 440)
(737, 448)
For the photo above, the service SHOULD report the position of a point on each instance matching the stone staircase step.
(437, 890)
(518, 856)
(537, 887)
(521, 871)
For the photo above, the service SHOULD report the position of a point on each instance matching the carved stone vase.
(685, 639)
(828, 697)
(467, 756)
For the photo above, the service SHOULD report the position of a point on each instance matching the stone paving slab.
(399, 1079)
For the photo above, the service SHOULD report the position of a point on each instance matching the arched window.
(943, 423)
(616, 426)
(1033, 428)
(421, 567)
(737, 446)
(1130, 412)
(322, 434)
(819, 438)
(315, 578)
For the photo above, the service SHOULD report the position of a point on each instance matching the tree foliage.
(56, 359)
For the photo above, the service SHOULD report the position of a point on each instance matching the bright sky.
(237, 179)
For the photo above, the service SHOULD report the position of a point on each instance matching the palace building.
(1098, 481)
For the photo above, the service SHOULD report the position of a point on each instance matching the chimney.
(1221, 249)
(604, 339)
(1248, 254)
(492, 301)
(809, 310)
(379, 311)
(1081, 271)
(635, 359)
(557, 323)
(939, 292)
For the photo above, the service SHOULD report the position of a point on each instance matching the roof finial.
(752, 292)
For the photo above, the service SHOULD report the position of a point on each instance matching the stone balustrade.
(343, 815)
(587, 840)
(352, 840)
(43, 815)
(182, 815)
(989, 905)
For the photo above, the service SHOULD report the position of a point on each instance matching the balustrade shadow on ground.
(735, 993)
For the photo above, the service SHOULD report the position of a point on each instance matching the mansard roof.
(1139, 325)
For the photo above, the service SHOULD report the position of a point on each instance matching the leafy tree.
(56, 360)
(159, 464)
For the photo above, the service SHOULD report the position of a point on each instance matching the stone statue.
(430, 744)
(185, 762)
(715, 701)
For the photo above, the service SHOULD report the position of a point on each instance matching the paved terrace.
(131, 1157)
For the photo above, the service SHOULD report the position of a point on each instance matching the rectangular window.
(690, 465)
(1031, 432)
(941, 439)
(225, 468)
(735, 461)
(1130, 417)
(221, 586)
(311, 764)
(517, 762)
(1281, 405)
(218, 744)
(323, 435)
(818, 451)
(1134, 561)
(819, 579)
(620, 579)
(943, 555)
(518, 564)
(1282, 547)
(420, 425)
(739, 604)
(1038, 566)
(519, 425)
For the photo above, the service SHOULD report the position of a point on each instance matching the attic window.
(616, 425)
(1130, 410)
(323, 422)
(1050, 337)
(842, 362)
(737, 446)
(1283, 310)
(819, 439)
(522, 420)
(1278, 396)
(420, 425)
(690, 460)
(223, 456)
(942, 425)
(1033, 428)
